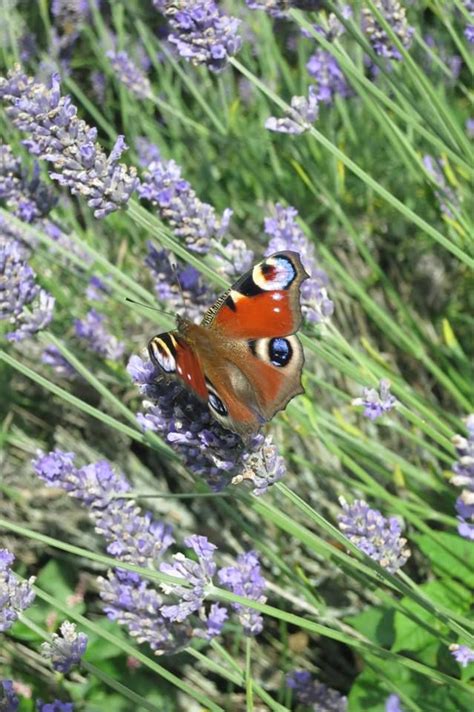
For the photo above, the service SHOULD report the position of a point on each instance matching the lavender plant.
(394, 262)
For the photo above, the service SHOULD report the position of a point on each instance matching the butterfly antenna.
(174, 266)
(148, 306)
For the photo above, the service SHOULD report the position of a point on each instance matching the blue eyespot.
(216, 404)
(280, 351)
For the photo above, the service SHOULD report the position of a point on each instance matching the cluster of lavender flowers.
(469, 31)
(208, 450)
(301, 114)
(167, 623)
(462, 654)
(68, 18)
(286, 234)
(445, 195)
(201, 32)
(56, 135)
(9, 701)
(328, 76)
(25, 306)
(130, 74)
(463, 477)
(376, 403)
(93, 332)
(29, 199)
(314, 694)
(15, 595)
(374, 534)
(395, 15)
(191, 219)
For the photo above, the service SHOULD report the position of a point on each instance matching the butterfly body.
(244, 359)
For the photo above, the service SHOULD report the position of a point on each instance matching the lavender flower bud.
(314, 694)
(445, 195)
(27, 307)
(395, 15)
(462, 654)
(15, 595)
(201, 32)
(373, 534)
(93, 332)
(262, 467)
(392, 704)
(9, 702)
(463, 470)
(303, 112)
(68, 143)
(54, 706)
(328, 76)
(65, 650)
(199, 574)
(189, 218)
(171, 286)
(245, 579)
(377, 404)
(286, 234)
(51, 356)
(130, 75)
(469, 31)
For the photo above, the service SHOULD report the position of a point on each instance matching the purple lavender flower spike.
(375, 403)
(27, 307)
(395, 15)
(470, 127)
(286, 234)
(392, 704)
(462, 654)
(134, 603)
(262, 467)
(9, 702)
(303, 113)
(54, 706)
(238, 259)
(199, 574)
(172, 286)
(463, 470)
(25, 196)
(130, 75)
(328, 76)
(469, 31)
(314, 694)
(15, 595)
(93, 332)
(68, 143)
(201, 32)
(66, 650)
(373, 534)
(245, 579)
(189, 218)
(96, 289)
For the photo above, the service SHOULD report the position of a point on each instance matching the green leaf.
(375, 623)
(450, 555)
(412, 637)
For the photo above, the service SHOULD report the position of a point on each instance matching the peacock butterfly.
(244, 359)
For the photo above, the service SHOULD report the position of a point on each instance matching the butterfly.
(244, 360)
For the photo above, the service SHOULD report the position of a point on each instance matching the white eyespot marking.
(163, 356)
(180, 370)
(277, 296)
(277, 310)
(275, 273)
(188, 376)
